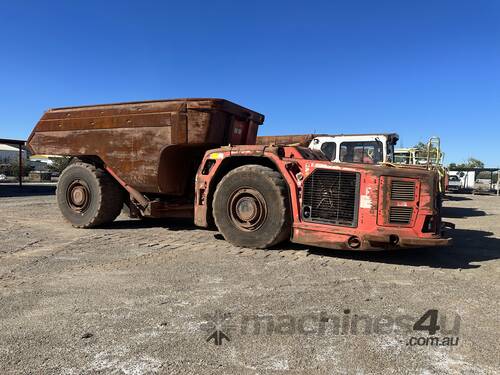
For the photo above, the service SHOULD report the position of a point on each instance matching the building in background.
(10, 154)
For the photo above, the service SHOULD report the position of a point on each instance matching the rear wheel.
(251, 207)
(88, 196)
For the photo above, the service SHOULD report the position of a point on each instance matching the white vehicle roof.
(358, 137)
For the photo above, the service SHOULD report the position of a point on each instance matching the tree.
(422, 149)
(421, 146)
(474, 163)
(59, 164)
(471, 163)
(14, 168)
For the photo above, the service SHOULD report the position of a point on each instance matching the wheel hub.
(247, 209)
(78, 196)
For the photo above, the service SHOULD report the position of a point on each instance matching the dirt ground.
(141, 297)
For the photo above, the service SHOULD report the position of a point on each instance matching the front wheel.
(251, 207)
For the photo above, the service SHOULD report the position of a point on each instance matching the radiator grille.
(400, 215)
(402, 190)
(331, 197)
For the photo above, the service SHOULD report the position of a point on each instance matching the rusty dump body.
(198, 158)
(153, 146)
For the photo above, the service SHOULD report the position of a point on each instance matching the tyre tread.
(110, 196)
(280, 187)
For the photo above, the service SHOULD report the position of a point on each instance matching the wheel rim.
(78, 196)
(247, 209)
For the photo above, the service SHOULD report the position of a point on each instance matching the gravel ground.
(141, 297)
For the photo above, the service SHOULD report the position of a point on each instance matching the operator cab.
(357, 148)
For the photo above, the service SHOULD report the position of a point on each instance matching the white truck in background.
(454, 184)
(466, 180)
(480, 180)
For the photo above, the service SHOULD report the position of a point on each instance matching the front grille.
(402, 190)
(331, 197)
(400, 215)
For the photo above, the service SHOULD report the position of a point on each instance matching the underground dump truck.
(197, 158)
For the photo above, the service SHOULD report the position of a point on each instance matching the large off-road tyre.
(88, 196)
(251, 207)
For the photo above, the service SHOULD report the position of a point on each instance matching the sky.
(419, 68)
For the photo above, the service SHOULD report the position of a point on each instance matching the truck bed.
(136, 139)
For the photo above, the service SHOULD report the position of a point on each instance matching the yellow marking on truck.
(216, 155)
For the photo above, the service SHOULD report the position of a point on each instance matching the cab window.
(370, 152)
(329, 148)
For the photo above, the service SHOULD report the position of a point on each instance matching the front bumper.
(378, 241)
(312, 235)
(388, 240)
